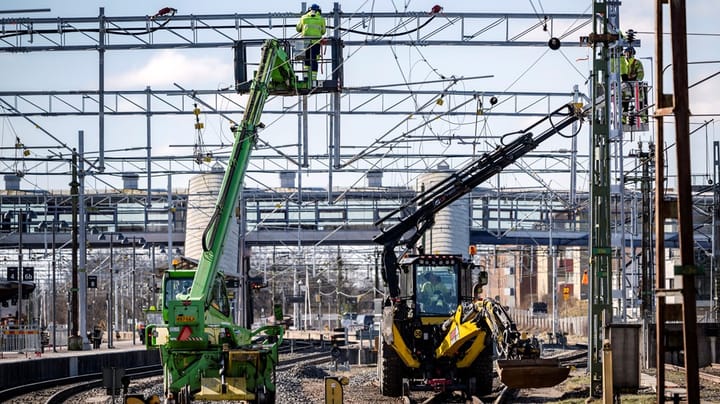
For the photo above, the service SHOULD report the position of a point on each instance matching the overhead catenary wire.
(534, 63)
(172, 12)
(137, 31)
(434, 11)
(542, 20)
(168, 14)
(45, 131)
(512, 84)
(399, 6)
(374, 146)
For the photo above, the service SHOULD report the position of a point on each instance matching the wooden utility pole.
(687, 269)
(680, 109)
(659, 207)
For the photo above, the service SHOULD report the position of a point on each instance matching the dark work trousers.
(311, 57)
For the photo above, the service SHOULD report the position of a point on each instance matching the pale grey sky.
(513, 69)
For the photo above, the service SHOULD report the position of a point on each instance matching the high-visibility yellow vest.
(311, 24)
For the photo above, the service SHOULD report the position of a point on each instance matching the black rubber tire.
(482, 373)
(260, 396)
(390, 371)
(270, 396)
(263, 395)
(184, 396)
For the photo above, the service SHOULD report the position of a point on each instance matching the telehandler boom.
(205, 355)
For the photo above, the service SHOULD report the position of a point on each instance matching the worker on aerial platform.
(312, 27)
(631, 69)
(632, 72)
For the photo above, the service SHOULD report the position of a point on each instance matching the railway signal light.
(256, 282)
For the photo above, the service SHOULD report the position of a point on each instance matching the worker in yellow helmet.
(631, 72)
(312, 27)
(631, 69)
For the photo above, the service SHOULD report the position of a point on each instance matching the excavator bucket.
(531, 373)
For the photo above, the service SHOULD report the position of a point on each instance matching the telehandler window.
(436, 289)
(219, 297)
(175, 287)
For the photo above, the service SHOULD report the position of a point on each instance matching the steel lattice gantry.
(221, 30)
(105, 33)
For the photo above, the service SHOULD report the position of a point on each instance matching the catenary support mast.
(604, 33)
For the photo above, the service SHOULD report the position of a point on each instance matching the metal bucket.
(531, 373)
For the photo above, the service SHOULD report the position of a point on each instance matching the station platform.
(62, 351)
(32, 367)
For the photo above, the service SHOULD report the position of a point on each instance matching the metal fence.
(543, 323)
(61, 335)
(20, 339)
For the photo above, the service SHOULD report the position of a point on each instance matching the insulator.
(630, 35)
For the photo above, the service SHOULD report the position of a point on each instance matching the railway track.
(575, 358)
(710, 377)
(60, 390)
(292, 355)
(67, 392)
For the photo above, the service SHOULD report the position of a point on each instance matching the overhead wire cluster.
(163, 17)
(439, 101)
(200, 151)
(18, 166)
(166, 13)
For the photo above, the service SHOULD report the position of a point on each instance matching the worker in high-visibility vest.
(312, 27)
(433, 293)
(632, 72)
(631, 69)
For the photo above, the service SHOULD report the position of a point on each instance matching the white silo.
(203, 190)
(451, 232)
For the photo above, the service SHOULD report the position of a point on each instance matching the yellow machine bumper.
(211, 389)
(402, 349)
